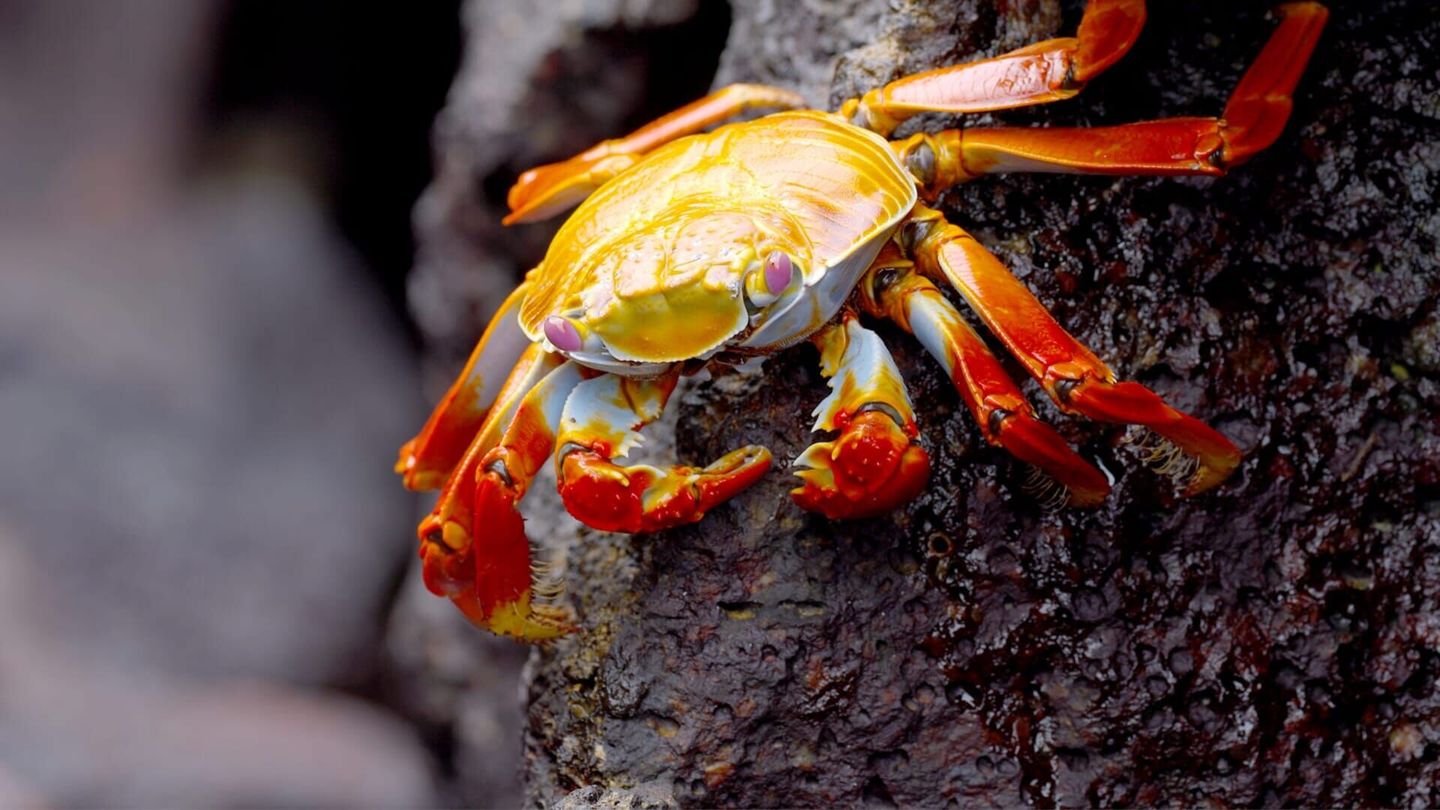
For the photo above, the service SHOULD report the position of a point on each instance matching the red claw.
(640, 498)
(488, 574)
(872, 468)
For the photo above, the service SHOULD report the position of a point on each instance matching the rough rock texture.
(647, 796)
(1273, 642)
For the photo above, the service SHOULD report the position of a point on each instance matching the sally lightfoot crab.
(691, 248)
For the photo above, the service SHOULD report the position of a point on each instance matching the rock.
(197, 528)
(648, 796)
(1271, 642)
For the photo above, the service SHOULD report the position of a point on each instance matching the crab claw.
(1037, 444)
(641, 498)
(488, 576)
(1193, 453)
(473, 547)
(871, 468)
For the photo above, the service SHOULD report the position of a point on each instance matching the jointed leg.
(1046, 71)
(547, 190)
(484, 567)
(426, 460)
(1253, 119)
(449, 523)
(892, 289)
(1073, 376)
(874, 465)
(599, 425)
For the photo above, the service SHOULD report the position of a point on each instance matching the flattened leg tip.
(1037, 444)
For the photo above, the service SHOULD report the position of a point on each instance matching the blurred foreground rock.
(200, 397)
(1272, 642)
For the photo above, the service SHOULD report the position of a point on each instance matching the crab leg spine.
(1070, 373)
(427, 460)
(1005, 417)
(544, 191)
(874, 465)
(600, 424)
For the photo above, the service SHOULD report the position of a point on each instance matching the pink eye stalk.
(778, 272)
(562, 334)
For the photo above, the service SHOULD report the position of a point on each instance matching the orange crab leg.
(1073, 376)
(600, 424)
(1254, 117)
(1046, 71)
(874, 465)
(1261, 103)
(547, 190)
(892, 289)
(483, 565)
(447, 527)
(426, 460)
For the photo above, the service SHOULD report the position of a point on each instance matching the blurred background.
(205, 369)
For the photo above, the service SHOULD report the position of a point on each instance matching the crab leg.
(874, 464)
(483, 564)
(445, 532)
(1037, 74)
(600, 424)
(547, 190)
(1073, 376)
(426, 460)
(1254, 117)
(892, 289)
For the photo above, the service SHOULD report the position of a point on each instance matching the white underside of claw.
(598, 409)
(863, 367)
(816, 461)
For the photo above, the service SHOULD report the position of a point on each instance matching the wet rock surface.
(1272, 642)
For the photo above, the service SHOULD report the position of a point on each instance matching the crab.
(694, 247)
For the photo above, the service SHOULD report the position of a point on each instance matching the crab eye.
(770, 280)
(779, 272)
(562, 334)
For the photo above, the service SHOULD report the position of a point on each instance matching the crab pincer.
(473, 547)
(641, 498)
(600, 425)
(874, 464)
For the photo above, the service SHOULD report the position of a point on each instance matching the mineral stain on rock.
(1273, 642)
